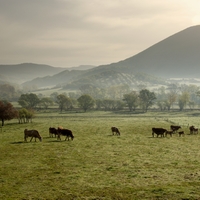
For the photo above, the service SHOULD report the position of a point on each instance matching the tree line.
(91, 97)
(178, 96)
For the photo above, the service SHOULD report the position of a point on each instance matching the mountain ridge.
(180, 50)
(177, 56)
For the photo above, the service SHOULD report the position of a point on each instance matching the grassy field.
(98, 165)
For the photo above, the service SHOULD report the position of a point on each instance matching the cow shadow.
(20, 142)
(157, 137)
(57, 141)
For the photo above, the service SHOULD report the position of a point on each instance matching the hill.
(174, 57)
(82, 67)
(27, 71)
(64, 77)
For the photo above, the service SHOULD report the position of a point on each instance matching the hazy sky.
(67, 33)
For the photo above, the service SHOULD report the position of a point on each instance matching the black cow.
(181, 133)
(169, 132)
(115, 130)
(193, 130)
(175, 128)
(65, 132)
(53, 131)
(158, 131)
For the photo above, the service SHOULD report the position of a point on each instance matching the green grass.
(97, 165)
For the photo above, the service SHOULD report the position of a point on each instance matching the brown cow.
(158, 131)
(31, 133)
(115, 130)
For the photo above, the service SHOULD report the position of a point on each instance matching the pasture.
(98, 165)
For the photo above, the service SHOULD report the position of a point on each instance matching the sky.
(69, 33)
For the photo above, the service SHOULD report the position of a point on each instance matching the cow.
(31, 133)
(53, 131)
(181, 133)
(169, 132)
(65, 132)
(158, 131)
(193, 130)
(175, 128)
(115, 130)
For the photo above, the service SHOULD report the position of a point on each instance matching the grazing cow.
(169, 132)
(181, 133)
(115, 130)
(52, 131)
(33, 134)
(175, 128)
(65, 132)
(193, 129)
(158, 131)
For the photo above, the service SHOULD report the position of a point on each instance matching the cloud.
(75, 32)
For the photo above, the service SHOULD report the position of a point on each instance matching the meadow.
(97, 164)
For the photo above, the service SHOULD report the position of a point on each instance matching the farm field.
(98, 165)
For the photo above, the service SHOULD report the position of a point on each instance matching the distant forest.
(113, 98)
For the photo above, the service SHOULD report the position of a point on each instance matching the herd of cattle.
(52, 131)
(57, 132)
(173, 129)
(60, 131)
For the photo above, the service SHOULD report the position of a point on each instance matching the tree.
(171, 98)
(131, 100)
(53, 96)
(180, 104)
(183, 100)
(8, 92)
(86, 102)
(118, 105)
(22, 113)
(73, 95)
(117, 91)
(99, 104)
(64, 102)
(29, 101)
(107, 104)
(161, 105)
(7, 111)
(25, 116)
(146, 99)
(97, 93)
(46, 102)
(167, 104)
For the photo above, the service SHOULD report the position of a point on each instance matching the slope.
(175, 56)
(27, 71)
